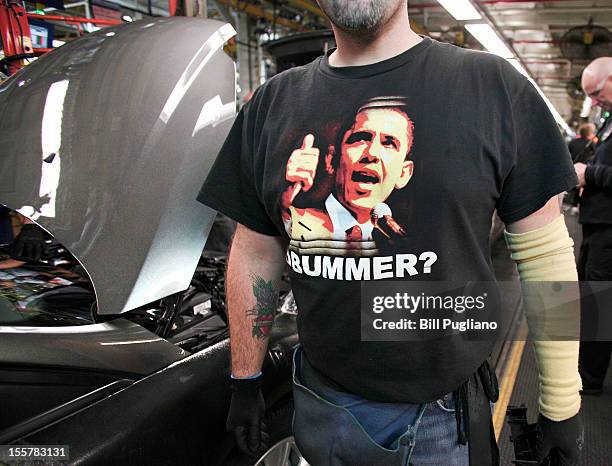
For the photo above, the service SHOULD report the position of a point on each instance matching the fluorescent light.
(489, 39)
(461, 10)
(558, 118)
(494, 44)
(517, 64)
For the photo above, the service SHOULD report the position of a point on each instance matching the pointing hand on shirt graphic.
(302, 164)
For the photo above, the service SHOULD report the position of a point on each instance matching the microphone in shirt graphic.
(368, 162)
(383, 220)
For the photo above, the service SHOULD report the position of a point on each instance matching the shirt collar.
(342, 220)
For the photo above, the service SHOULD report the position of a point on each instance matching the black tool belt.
(473, 415)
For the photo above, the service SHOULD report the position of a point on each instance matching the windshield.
(50, 289)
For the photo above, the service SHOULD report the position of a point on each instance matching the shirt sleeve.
(542, 166)
(230, 185)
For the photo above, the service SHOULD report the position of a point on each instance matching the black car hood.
(105, 143)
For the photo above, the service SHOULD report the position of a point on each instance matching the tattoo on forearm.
(266, 295)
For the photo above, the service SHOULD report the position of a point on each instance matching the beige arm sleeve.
(542, 255)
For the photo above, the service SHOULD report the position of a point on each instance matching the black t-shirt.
(596, 199)
(437, 137)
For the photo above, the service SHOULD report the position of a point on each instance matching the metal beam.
(225, 12)
(549, 27)
(421, 6)
(195, 8)
(550, 11)
(306, 5)
(75, 19)
(258, 12)
(134, 6)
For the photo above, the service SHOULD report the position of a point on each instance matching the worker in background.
(393, 402)
(6, 226)
(577, 146)
(26, 241)
(582, 149)
(31, 243)
(595, 179)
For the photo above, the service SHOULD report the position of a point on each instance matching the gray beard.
(364, 16)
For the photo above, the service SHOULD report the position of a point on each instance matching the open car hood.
(105, 143)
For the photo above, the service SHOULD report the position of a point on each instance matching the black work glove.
(245, 418)
(30, 245)
(566, 437)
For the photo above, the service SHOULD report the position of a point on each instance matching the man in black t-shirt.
(364, 402)
(596, 218)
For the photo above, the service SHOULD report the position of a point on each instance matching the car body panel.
(173, 416)
(119, 346)
(106, 142)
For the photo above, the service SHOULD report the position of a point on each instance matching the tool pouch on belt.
(474, 421)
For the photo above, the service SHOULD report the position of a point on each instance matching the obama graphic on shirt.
(369, 160)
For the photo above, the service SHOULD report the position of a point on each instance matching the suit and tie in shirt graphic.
(369, 161)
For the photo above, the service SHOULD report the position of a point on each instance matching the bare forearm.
(254, 271)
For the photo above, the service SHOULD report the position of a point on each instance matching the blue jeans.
(334, 428)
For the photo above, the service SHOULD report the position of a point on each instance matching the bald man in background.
(595, 262)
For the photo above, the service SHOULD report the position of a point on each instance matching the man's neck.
(361, 215)
(393, 39)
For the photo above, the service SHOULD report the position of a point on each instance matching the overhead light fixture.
(461, 10)
(517, 64)
(558, 118)
(127, 18)
(490, 40)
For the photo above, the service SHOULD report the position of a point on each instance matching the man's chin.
(364, 33)
(363, 203)
(362, 19)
